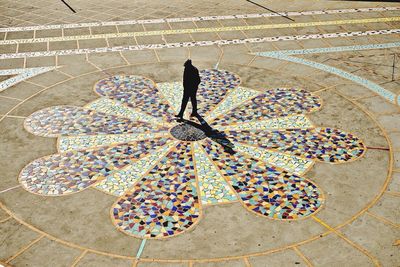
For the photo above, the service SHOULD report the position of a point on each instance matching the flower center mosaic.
(251, 146)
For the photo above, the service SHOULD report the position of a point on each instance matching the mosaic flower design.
(127, 144)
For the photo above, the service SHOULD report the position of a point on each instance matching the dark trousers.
(185, 100)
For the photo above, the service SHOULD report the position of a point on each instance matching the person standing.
(191, 81)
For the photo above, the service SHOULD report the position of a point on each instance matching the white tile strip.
(21, 74)
(205, 18)
(199, 30)
(199, 43)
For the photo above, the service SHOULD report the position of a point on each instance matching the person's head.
(188, 63)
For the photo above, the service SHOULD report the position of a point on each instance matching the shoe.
(194, 115)
(179, 116)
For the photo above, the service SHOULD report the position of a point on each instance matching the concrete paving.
(309, 98)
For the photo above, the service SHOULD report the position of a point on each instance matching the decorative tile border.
(201, 30)
(205, 18)
(199, 43)
(287, 55)
(21, 74)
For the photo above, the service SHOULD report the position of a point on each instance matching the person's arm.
(184, 78)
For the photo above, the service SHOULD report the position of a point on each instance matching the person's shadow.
(211, 133)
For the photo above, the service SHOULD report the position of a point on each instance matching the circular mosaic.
(259, 148)
(187, 132)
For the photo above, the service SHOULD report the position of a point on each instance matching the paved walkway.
(96, 172)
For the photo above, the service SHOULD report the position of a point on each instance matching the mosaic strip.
(73, 171)
(287, 122)
(115, 108)
(165, 202)
(200, 30)
(199, 43)
(213, 186)
(204, 18)
(121, 181)
(277, 102)
(80, 142)
(322, 144)
(388, 95)
(135, 92)
(329, 49)
(173, 93)
(236, 97)
(289, 163)
(214, 85)
(266, 190)
(70, 120)
(21, 75)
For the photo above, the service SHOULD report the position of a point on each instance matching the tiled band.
(203, 18)
(201, 30)
(198, 43)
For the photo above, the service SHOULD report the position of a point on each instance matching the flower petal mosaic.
(250, 146)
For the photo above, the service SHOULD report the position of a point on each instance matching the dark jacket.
(191, 79)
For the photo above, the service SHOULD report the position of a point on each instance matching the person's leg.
(193, 99)
(185, 100)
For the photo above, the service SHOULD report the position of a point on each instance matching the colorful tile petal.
(289, 163)
(135, 92)
(173, 93)
(73, 171)
(234, 99)
(165, 202)
(70, 120)
(121, 181)
(214, 85)
(116, 108)
(213, 187)
(287, 122)
(274, 103)
(80, 142)
(266, 190)
(322, 144)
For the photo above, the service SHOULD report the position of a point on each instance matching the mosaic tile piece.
(70, 120)
(135, 92)
(322, 144)
(287, 122)
(235, 97)
(165, 202)
(73, 171)
(289, 163)
(80, 142)
(121, 181)
(213, 187)
(173, 93)
(115, 108)
(213, 87)
(277, 102)
(264, 189)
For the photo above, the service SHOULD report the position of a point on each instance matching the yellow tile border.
(353, 244)
(22, 250)
(305, 259)
(382, 219)
(79, 258)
